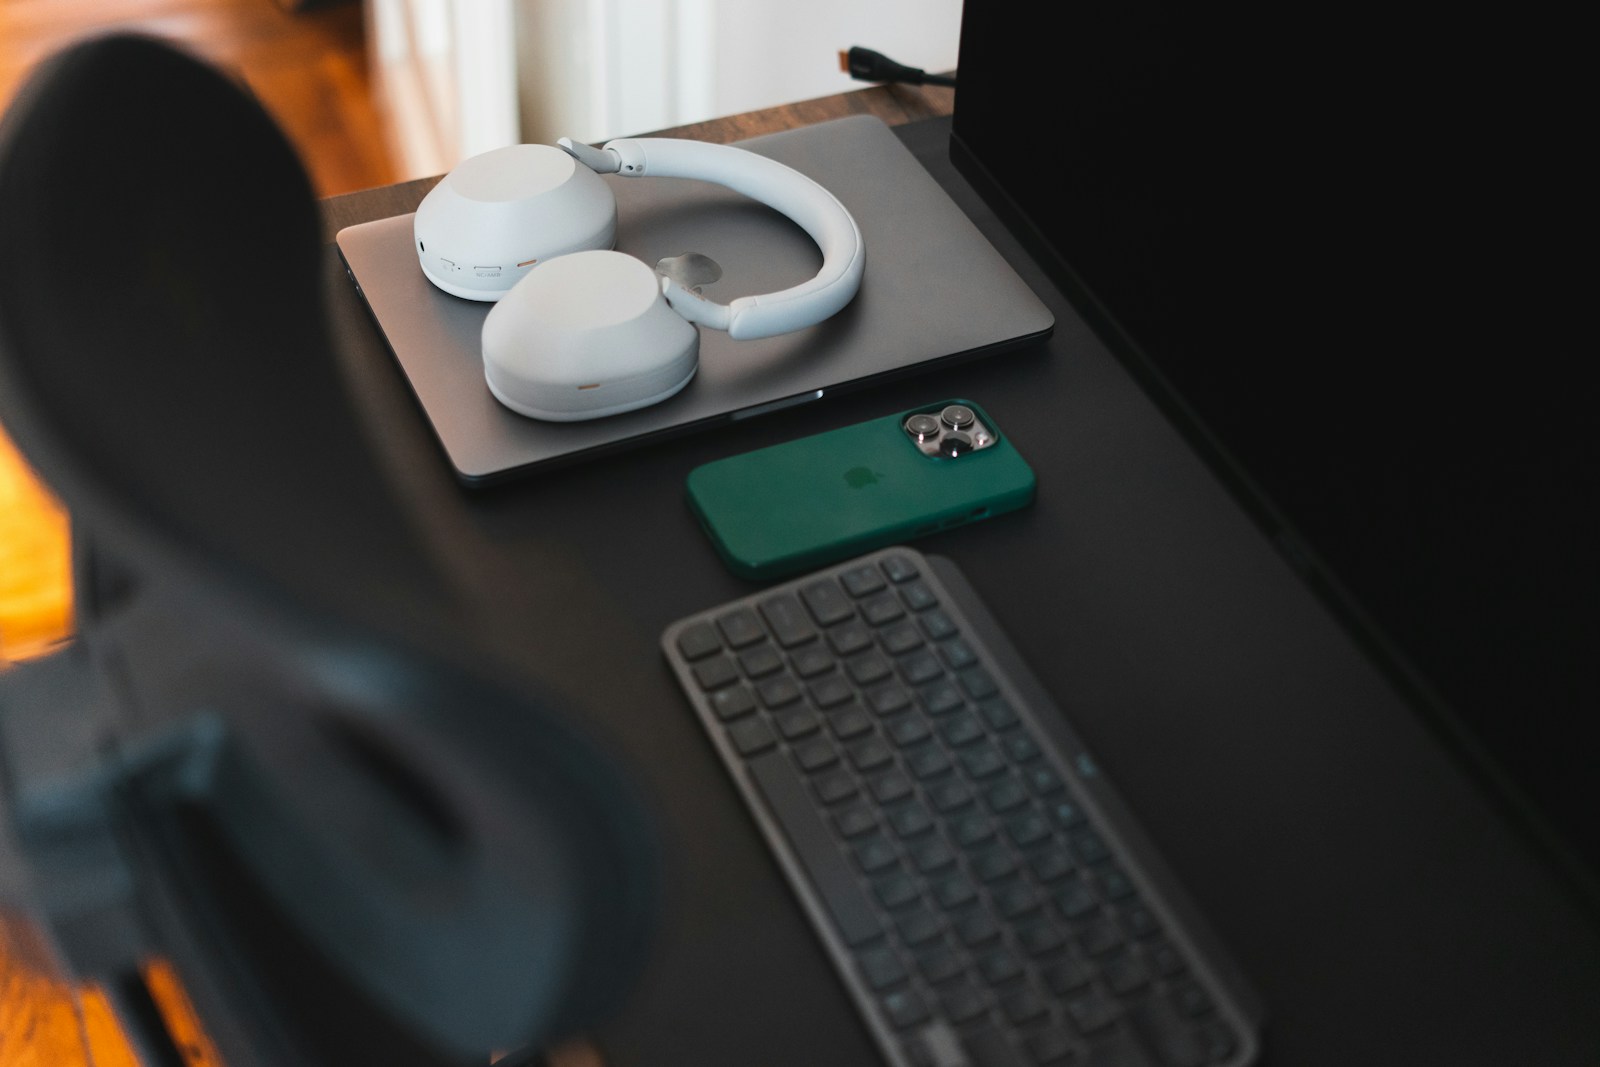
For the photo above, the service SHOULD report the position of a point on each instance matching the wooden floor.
(310, 71)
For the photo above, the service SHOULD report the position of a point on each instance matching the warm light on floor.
(35, 562)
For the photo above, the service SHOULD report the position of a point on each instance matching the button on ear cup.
(586, 335)
(498, 214)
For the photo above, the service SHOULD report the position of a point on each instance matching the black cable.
(863, 64)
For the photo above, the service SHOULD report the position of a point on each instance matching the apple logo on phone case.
(860, 477)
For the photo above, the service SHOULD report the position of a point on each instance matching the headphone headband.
(782, 188)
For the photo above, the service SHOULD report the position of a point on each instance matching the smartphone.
(780, 510)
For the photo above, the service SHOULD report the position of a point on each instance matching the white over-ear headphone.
(580, 331)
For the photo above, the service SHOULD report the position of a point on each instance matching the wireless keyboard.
(983, 893)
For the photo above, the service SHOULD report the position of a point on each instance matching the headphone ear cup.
(587, 335)
(498, 214)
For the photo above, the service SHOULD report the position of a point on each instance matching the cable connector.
(863, 64)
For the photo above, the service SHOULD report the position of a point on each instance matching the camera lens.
(958, 416)
(922, 427)
(955, 443)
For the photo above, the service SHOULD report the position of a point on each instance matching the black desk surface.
(1386, 910)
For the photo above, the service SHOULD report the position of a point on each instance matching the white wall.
(593, 69)
(462, 76)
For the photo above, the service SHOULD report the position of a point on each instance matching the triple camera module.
(952, 433)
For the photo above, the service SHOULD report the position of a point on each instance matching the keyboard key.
(908, 730)
(1091, 1012)
(1064, 975)
(776, 692)
(976, 927)
(982, 761)
(1015, 899)
(849, 638)
(917, 596)
(795, 723)
(920, 926)
(978, 683)
(1124, 973)
(740, 627)
(932, 855)
(834, 786)
(988, 1047)
(891, 786)
(997, 712)
(900, 639)
(888, 699)
(882, 610)
(859, 581)
(1006, 795)
(948, 796)
(1040, 938)
(1023, 1006)
(1099, 936)
(1000, 966)
(790, 624)
(910, 820)
(1052, 1045)
(816, 754)
(1050, 863)
(826, 602)
(993, 865)
(876, 854)
(957, 654)
(962, 728)
(941, 698)
(896, 890)
(870, 754)
(952, 891)
(732, 702)
(811, 662)
(1027, 828)
(715, 673)
(971, 828)
(1074, 899)
(1020, 747)
(698, 640)
(850, 723)
(904, 1008)
(1113, 883)
(964, 1002)
(935, 623)
(927, 761)
(830, 691)
(853, 822)
(750, 736)
(920, 668)
(1089, 847)
(869, 668)
(940, 963)
(898, 568)
(881, 967)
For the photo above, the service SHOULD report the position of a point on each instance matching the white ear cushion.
(497, 214)
(586, 335)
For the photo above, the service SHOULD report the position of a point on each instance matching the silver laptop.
(934, 290)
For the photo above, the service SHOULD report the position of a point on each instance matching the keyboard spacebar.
(813, 844)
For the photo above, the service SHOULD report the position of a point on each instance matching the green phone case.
(805, 503)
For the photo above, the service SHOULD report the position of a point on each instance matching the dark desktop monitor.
(1337, 244)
